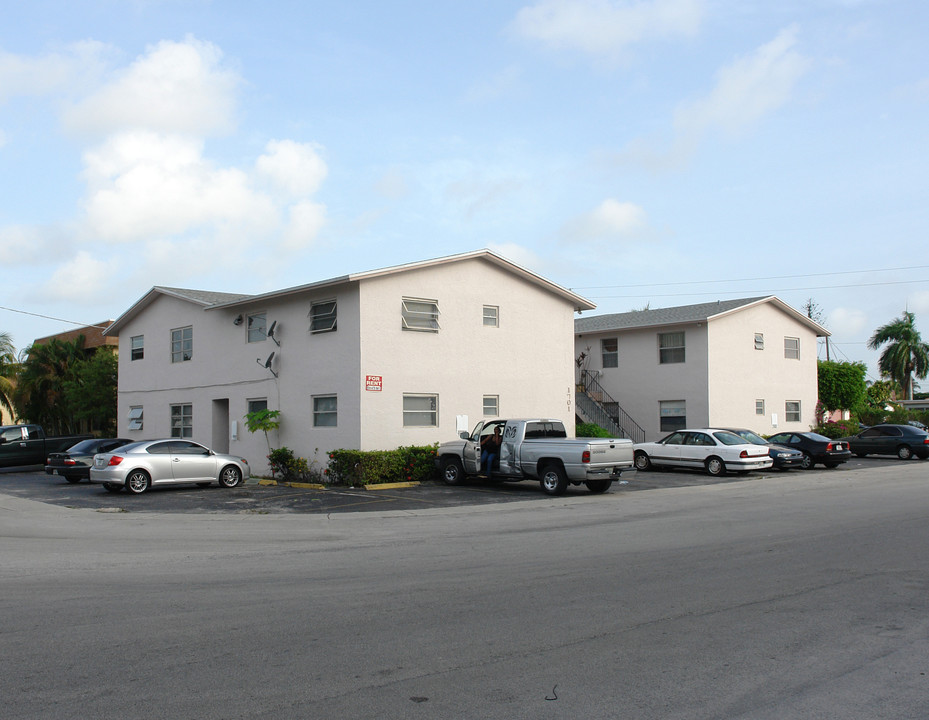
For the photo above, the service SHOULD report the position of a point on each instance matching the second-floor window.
(491, 316)
(609, 350)
(792, 348)
(137, 347)
(759, 341)
(422, 315)
(182, 344)
(323, 316)
(671, 347)
(491, 405)
(257, 327)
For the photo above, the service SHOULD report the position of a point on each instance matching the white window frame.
(322, 414)
(256, 327)
(136, 414)
(182, 420)
(759, 341)
(609, 358)
(182, 344)
(136, 348)
(412, 416)
(420, 315)
(759, 407)
(323, 318)
(668, 354)
(491, 406)
(672, 409)
(792, 415)
(792, 349)
(255, 404)
(491, 316)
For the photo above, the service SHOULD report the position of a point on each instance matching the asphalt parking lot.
(34, 484)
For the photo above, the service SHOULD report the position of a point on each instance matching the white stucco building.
(748, 363)
(405, 355)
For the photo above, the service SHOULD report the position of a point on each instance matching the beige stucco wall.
(640, 382)
(527, 360)
(739, 374)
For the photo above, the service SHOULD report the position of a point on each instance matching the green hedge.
(835, 430)
(371, 467)
(590, 430)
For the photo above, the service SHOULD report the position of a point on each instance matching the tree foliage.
(8, 368)
(904, 355)
(842, 385)
(91, 391)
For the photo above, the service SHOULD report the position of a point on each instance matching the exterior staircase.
(593, 404)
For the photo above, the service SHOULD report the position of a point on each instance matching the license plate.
(98, 462)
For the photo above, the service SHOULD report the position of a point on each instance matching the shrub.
(357, 467)
(292, 468)
(590, 430)
(834, 430)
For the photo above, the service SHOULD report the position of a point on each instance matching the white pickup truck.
(539, 450)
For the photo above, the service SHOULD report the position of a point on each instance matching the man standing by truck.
(490, 449)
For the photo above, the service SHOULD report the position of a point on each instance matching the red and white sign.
(374, 383)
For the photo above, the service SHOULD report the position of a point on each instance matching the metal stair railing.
(610, 408)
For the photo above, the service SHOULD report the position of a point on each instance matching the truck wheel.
(598, 486)
(452, 471)
(553, 480)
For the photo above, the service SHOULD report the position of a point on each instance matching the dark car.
(74, 463)
(784, 457)
(816, 448)
(904, 441)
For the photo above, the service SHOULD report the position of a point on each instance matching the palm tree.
(40, 393)
(7, 371)
(905, 355)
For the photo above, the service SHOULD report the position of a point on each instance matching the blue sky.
(649, 152)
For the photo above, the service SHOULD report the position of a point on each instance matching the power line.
(57, 319)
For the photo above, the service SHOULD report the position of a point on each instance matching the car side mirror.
(464, 435)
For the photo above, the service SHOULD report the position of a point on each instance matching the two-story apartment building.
(406, 355)
(733, 363)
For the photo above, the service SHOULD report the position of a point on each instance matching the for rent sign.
(374, 383)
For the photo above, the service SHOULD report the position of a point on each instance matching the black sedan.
(74, 463)
(816, 448)
(784, 457)
(904, 441)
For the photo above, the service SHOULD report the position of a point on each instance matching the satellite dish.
(271, 333)
(267, 363)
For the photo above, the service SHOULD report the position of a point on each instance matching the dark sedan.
(816, 448)
(904, 441)
(784, 457)
(74, 463)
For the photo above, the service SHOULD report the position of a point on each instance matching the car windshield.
(751, 437)
(818, 438)
(84, 446)
(728, 438)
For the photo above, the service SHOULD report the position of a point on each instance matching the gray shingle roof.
(660, 316)
(203, 297)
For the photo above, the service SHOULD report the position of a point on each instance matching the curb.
(318, 486)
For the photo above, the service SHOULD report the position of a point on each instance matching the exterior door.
(471, 454)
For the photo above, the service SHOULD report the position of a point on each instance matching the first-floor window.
(491, 405)
(672, 415)
(135, 417)
(325, 410)
(420, 410)
(792, 411)
(182, 421)
(491, 316)
(759, 407)
(257, 404)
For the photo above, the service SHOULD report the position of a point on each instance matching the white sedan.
(716, 451)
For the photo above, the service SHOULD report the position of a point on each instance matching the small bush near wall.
(835, 430)
(405, 464)
(590, 430)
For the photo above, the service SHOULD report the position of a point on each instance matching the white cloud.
(607, 27)
(846, 323)
(67, 71)
(610, 220)
(296, 168)
(306, 220)
(518, 254)
(746, 90)
(143, 186)
(64, 284)
(177, 87)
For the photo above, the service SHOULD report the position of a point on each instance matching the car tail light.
(926, 440)
(829, 447)
(115, 460)
(585, 456)
(743, 454)
(69, 461)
